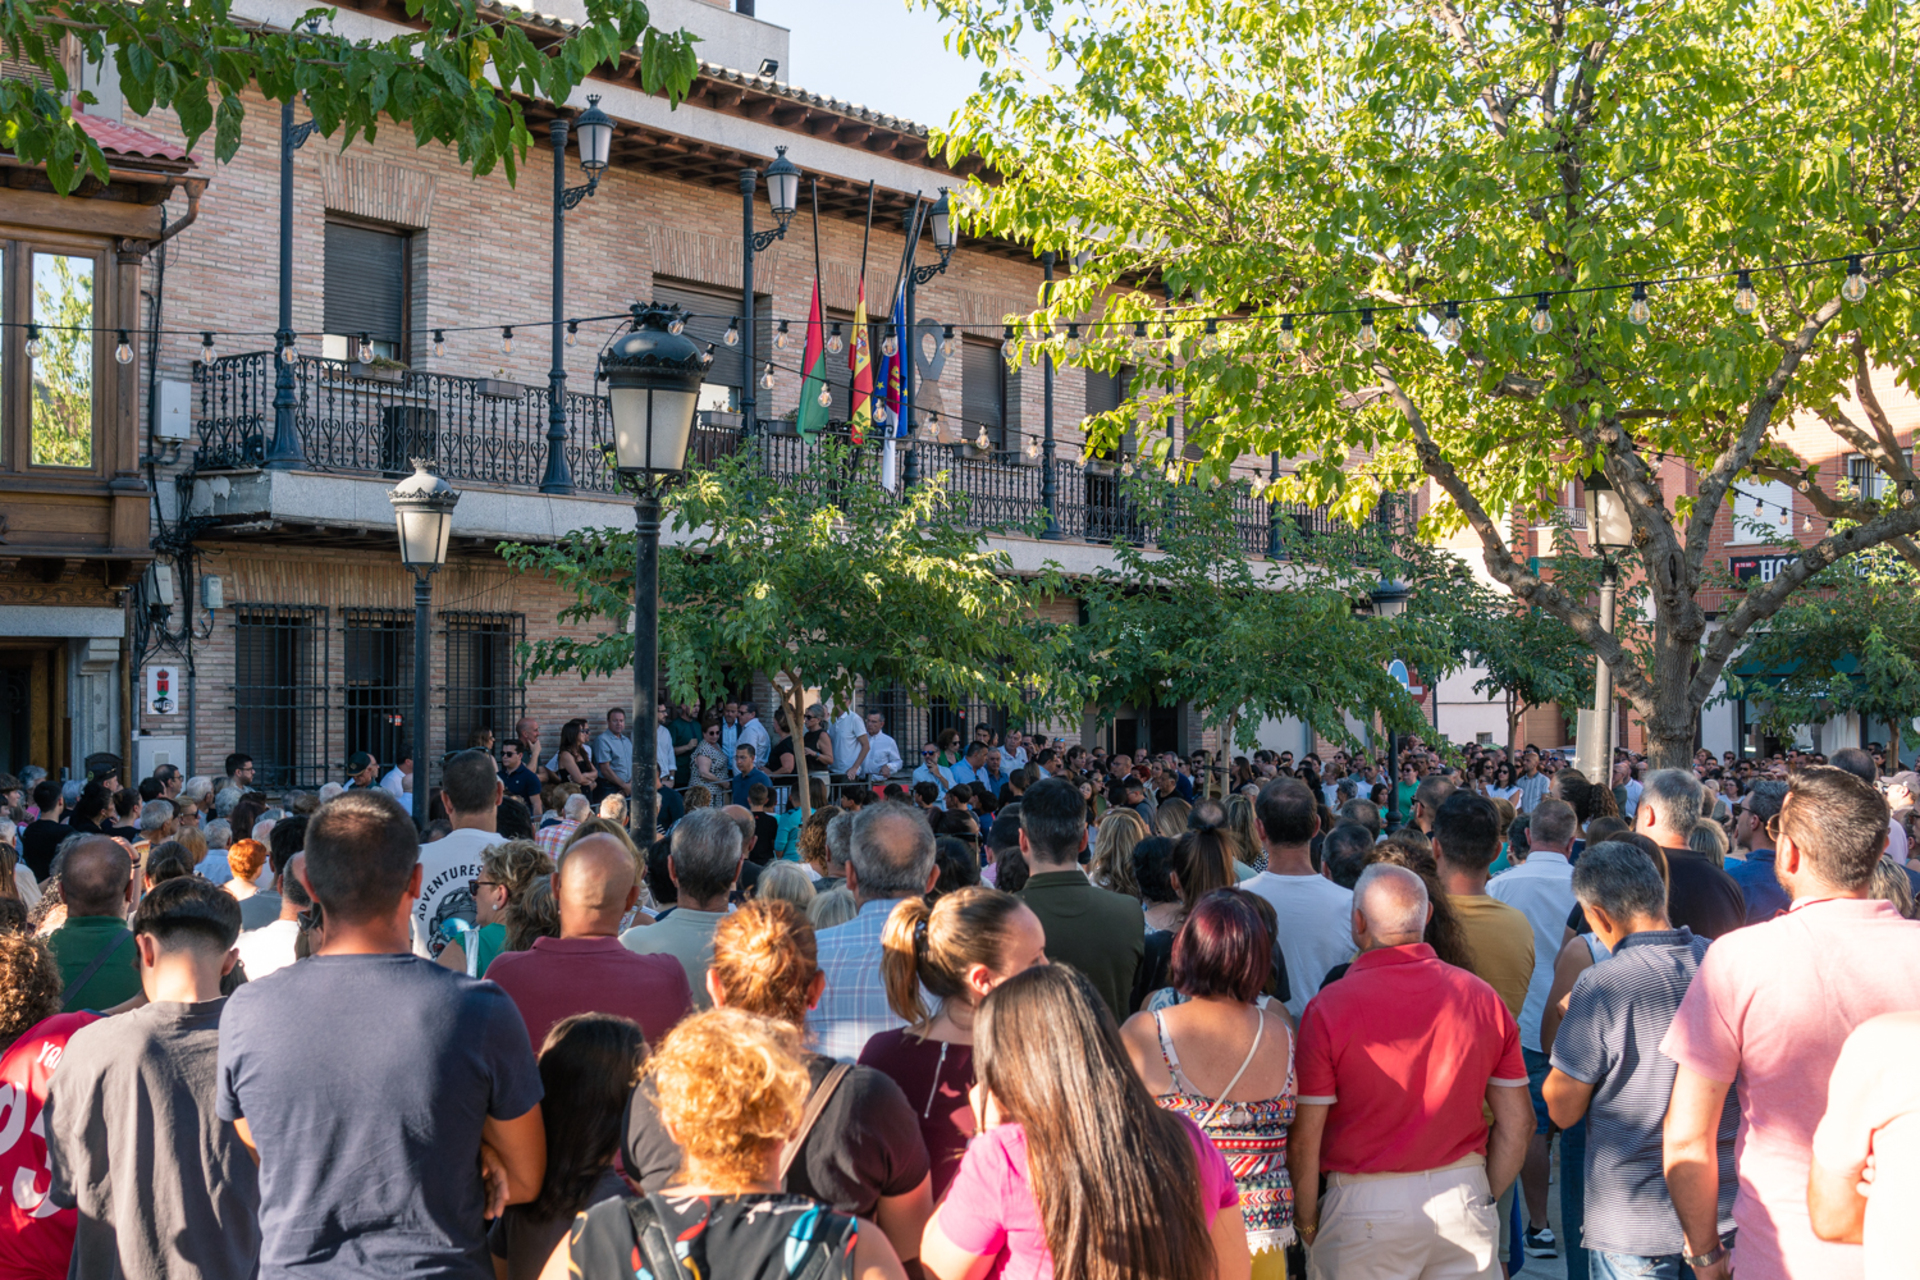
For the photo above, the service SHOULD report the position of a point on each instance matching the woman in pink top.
(1076, 1172)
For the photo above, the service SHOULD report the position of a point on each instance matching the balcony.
(362, 423)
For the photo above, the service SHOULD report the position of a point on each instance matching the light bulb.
(1806, 524)
(1541, 322)
(1855, 289)
(1745, 300)
(1210, 340)
(206, 348)
(825, 398)
(1032, 450)
(289, 353)
(124, 352)
(1289, 340)
(1906, 497)
(732, 338)
(889, 347)
(834, 343)
(1639, 311)
(33, 342)
(506, 342)
(1366, 339)
(1141, 342)
(677, 325)
(1451, 328)
(981, 441)
(880, 414)
(780, 337)
(573, 332)
(948, 342)
(363, 350)
(439, 343)
(706, 357)
(766, 376)
(1126, 468)
(1072, 344)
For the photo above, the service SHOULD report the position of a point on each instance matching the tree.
(821, 579)
(1307, 168)
(1195, 621)
(1855, 650)
(457, 79)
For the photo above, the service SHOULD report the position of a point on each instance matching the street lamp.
(1609, 531)
(1389, 602)
(940, 217)
(285, 452)
(654, 377)
(423, 513)
(783, 193)
(596, 144)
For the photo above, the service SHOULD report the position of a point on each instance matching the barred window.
(485, 686)
(379, 682)
(280, 700)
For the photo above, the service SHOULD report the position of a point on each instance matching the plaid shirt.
(853, 1008)
(549, 839)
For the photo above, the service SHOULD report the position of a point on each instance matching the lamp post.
(783, 193)
(1389, 602)
(596, 142)
(940, 217)
(423, 513)
(285, 452)
(1609, 530)
(653, 378)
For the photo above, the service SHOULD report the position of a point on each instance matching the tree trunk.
(796, 724)
(1219, 780)
(1516, 709)
(1674, 715)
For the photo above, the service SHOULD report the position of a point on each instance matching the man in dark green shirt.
(1097, 931)
(94, 948)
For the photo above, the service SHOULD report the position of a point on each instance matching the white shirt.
(754, 734)
(1541, 889)
(848, 732)
(446, 866)
(1316, 928)
(268, 948)
(397, 782)
(663, 748)
(1897, 842)
(1011, 759)
(882, 751)
(1633, 789)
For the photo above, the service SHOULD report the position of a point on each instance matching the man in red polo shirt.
(1395, 1060)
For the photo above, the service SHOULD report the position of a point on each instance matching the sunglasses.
(474, 886)
(929, 753)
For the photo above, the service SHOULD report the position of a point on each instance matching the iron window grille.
(378, 688)
(486, 683)
(280, 704)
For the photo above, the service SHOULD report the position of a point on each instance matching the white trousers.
(1440, 1224)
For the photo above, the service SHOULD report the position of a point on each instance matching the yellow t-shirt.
(1502, 943)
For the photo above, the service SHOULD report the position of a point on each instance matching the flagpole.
(868, 236)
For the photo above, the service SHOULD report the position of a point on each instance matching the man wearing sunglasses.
(930, 771)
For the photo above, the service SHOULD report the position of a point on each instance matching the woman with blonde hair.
(813, 842)
(1170, 819)
(863, 1155)
(508, 872)
(1112, 865)
(731, 1090)
(957, 950)
(1240, 822)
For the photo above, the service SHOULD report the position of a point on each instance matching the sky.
(881, 54)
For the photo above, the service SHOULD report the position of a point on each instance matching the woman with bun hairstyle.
(958, 950)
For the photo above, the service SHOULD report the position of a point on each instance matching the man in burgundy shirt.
(585, 969)
(1395, 1060)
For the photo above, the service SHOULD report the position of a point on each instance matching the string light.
(1006, 345)
(982, 441)
(124, 351)
(289, 354)
(825, 398)
(835, 344)
(780, 337)
(1745, 300)
(1210, 340)
(677, 325)
(949, 341)
(1289, 340)
(1072, 346)
(1366, 339)
(889, 345)
(206, 348)
(1451, 328)
(1806, 524)
(1639, 311)
(506, 341)
(573, 332)
(439, 343)
(1855, 289)
(363, 350)
(1541, 321)
(1032, 449)
(732, 338)
(33, 342)
(1141, 342)
(706, 357)
(766, 376)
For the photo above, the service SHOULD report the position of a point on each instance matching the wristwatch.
(1716, 1254)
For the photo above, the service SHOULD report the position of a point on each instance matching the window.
(1107, 392)
(379, 682)
(1866, 478)
(711, 311)
(366, 291)
(62, 387)
(484, 686)
(279, 694)
(983, 392)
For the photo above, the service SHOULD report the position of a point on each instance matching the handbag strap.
(816, 1103)
(654, 1245)
(1259, 1030)
(105, 954)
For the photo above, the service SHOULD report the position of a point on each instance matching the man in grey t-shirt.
(163, 1186)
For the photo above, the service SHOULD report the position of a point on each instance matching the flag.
(860, 360)
(891, 370)
(813, 367)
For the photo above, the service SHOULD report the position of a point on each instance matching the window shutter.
(712, 311)
(983, 391)
(366, 283)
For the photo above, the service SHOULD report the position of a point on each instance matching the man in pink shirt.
(1772, 1005)
(585, 969)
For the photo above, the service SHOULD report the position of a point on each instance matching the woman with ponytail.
(959, 949)
(1076, 1173)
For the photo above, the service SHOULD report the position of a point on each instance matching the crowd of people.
(1022, 1009)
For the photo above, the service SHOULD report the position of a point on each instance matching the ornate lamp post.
(940, 218)
(596, 143)
(1389, 602)
(654, 377)
(423, 512)
(783, 193)
(285, 452)
(1609, 531)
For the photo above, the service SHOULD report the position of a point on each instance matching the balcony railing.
(358, 421)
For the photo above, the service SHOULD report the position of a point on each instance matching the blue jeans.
(1628, 1266)
(1573, 1195)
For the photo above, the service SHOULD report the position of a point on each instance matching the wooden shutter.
(366, 283)
(983, 391)
(712, 311)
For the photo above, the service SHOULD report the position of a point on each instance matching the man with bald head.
(891, 860)
(94, 948)
(585, 969)
(1394, 1062)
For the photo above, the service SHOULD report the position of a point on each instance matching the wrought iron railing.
(355, 420)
